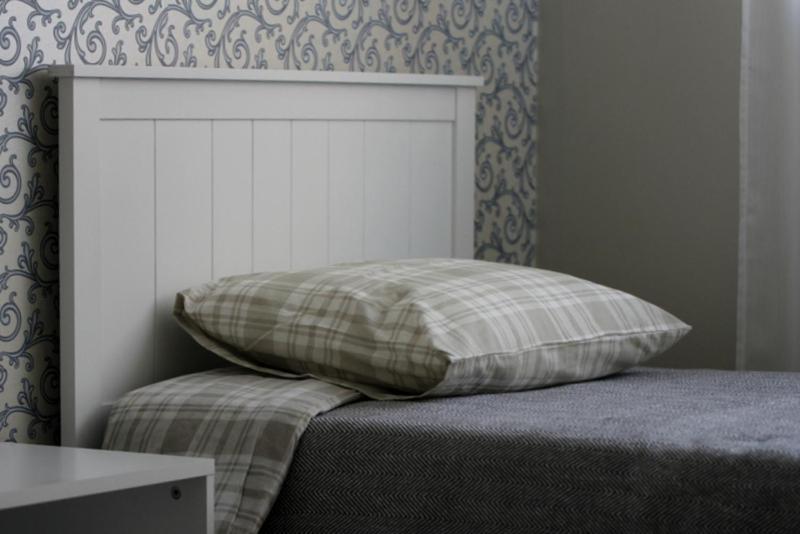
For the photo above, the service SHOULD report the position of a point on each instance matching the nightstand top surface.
(35, 474)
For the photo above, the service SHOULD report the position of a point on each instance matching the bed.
(172, 177)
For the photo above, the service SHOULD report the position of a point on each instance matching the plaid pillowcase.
(426, 326)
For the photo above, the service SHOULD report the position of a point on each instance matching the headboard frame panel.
(173, 177)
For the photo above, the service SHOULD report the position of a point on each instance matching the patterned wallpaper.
(492, 38)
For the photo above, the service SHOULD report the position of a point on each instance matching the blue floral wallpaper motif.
(495, 39)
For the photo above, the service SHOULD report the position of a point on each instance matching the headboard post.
(464, 183)
(171, 177)
(79, 271)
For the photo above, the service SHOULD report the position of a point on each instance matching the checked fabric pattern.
(433, 327)
(249, 425)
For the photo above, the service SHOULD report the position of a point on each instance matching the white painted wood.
(63, 489)
(127, 196)
(183, 236)
(346, 191)
(232, 215)
(131, 511)
(342, 77)
(258, 174)
(272, 195)
(82, 417)
(182, 99)
(464, 179)
(35, 474)
(387, 190)
(431, 190)
(309, 194)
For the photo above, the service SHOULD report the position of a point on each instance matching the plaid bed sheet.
(250, 424)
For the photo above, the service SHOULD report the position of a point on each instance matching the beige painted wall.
(639, 157)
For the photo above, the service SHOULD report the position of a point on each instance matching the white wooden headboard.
(172, 177)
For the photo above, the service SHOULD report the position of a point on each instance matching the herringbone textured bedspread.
(650, 450)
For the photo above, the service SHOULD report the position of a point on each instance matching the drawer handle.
(175, 491)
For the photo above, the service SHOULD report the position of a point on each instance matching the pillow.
(426, 326)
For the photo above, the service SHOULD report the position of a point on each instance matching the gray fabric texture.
(648, 450)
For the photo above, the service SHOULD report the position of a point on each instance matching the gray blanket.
(650, 450)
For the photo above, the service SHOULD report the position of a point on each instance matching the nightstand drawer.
(175, 507)
(67, 490)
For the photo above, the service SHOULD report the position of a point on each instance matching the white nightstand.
(66, 490)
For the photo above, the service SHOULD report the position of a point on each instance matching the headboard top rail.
(262, 75)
